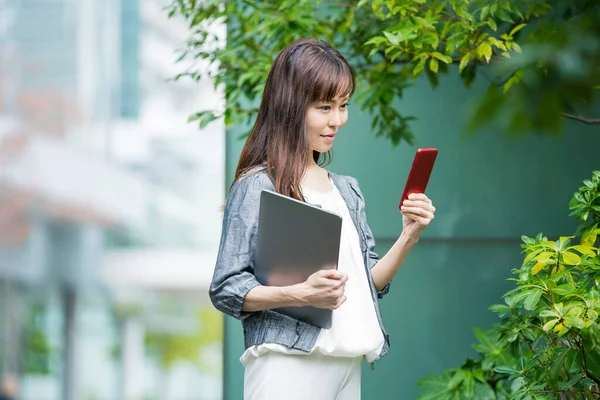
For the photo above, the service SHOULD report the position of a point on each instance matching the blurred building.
(109, 204)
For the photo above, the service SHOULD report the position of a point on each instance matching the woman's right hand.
(325, 289)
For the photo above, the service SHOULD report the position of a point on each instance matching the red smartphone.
(419, 173)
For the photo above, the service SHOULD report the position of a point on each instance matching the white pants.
(276, 376)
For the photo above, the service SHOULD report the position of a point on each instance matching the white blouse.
(355, 330)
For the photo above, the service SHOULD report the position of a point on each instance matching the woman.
(304, 104)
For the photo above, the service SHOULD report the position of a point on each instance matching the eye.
(344, 106)
(325, 107)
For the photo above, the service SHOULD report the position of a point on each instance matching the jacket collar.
(348, 192)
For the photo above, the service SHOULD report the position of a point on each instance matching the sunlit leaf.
(570, 258)
(546, 256)
(550, 324)
(517, 29)
(587, 250)
(538, 267)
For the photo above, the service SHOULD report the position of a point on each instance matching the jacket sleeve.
(373, 257)
(233, 276)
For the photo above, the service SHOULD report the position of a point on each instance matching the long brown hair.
(306, 71)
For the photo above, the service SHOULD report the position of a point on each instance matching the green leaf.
(433, 65)
(550, 324)
(522, 295)
(485, 50)
(588, 238)
(517, 29)
(587, 250)
(569, 384)
(501, 309)
(464, 61)
(469, 385)
(419, 67)
(572, 321)
(457, 379)
(441, 57)
(487, 339)
(532, 300)
(484, 12)
(203, 118)
(570, 258)
(531, 254)
(549, 313)
(434, 384)
(506, 370)
(573, 361)
(557, 363)
(564, 241)
(538, 267)
(546, 256)
(563, 290)
(513, 80)
(549, 243)
(393, 39)
(592, 358)
(527, 239)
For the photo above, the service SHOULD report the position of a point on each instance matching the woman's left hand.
(417, 213)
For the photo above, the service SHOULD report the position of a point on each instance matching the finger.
(339, 284)
(421, 221)
(421, 197)
(424, 221)
(417, 203)
(331, 274)
(418, 196)
(339, 278)
(417, 212)
(418, 219)
(341, 301)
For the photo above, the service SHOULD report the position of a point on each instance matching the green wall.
(489, 190)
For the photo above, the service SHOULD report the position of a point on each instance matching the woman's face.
(323, 120)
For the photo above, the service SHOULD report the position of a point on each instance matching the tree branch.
(585, 368)
(589, 121)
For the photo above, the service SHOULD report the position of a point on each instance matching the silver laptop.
(295, 240)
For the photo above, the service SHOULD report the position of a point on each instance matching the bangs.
(332, 80)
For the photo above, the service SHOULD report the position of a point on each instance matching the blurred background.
(110, 200)
(109, 206)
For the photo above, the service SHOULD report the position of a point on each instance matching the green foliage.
(546, 345)
(546, 53)
(168, 348)
(37, 349)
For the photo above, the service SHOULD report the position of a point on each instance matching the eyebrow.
(333, 100)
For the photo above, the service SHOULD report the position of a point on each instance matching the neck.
(311, 167)
(311, 161)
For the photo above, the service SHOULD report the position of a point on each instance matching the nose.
(335, 120)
